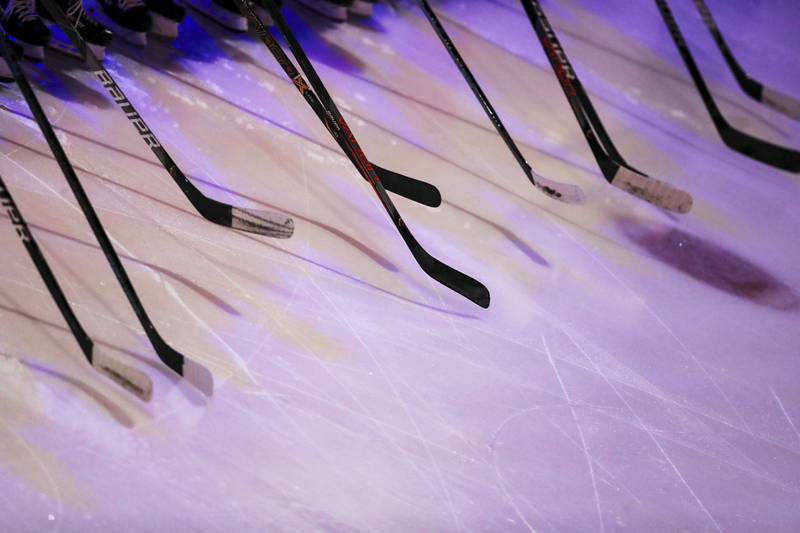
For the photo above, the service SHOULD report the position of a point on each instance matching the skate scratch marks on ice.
(783, 410)
(589, 458)
(647, 430)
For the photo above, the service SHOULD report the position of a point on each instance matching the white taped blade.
(651, 190)
(563, 192)
(262, 223)
(781, 102)
(199, 376)
(132, 380)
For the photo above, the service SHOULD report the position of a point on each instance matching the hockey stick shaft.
(777, 100)
(764, 151)
(413, 189)
(688, 59)
(259, 222)
(430, 14)
(567, 78)
(321, 101)
(748, 85)
(167, 354)
(548, 188)
(130, 379)
(614, 169)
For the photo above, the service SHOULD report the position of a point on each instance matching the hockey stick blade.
(654, 191)
(166, 353)
(570, 194)
(781, 102)
(132, 380)
(261, 223)
(338, 128)
(563, 192)
(758, 149)
(754, 89)
(413, 189)
(193, 372)
(766, 152)
(451, 278)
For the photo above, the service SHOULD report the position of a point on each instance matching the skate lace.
(75, 11)
(130, 4)
(25, 10)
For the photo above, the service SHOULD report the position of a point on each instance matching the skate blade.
(335, 13)
(233, 21)
(164, 27)
(361, 8)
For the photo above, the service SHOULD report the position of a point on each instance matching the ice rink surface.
(635, 371)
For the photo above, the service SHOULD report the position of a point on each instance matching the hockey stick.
(193, 372)
(615, 170)
(756, 90)
(570, 194)
(444, 274)
(253, 221)
(413, 189)
(132, 380)
(766, 152)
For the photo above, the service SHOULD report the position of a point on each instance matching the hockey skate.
(130, 19)
(96, 35)
(22, 22)
(167, 16)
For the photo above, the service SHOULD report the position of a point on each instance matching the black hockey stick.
(567, 193)
(322, 103)
(413, 189)
(193, 372)
(753, 88)
(253, 221)
(615, 170)
(758, 149)
(132, 380)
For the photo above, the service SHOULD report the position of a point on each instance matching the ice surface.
(636, 370)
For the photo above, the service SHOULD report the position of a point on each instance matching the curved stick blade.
(262, 222)
(468, 287)
(132, 380)
(760, 150)
(413, 189)
(656, 192)
(781, 102)
(199, 376)
(563, 192)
